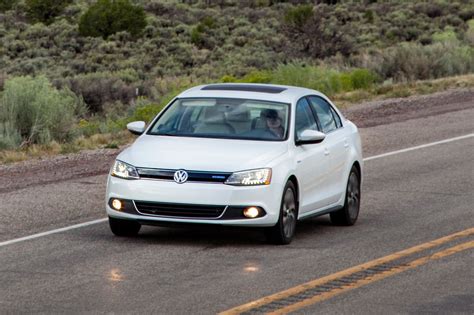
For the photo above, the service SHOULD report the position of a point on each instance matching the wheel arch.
(292, 178)
(356, 164)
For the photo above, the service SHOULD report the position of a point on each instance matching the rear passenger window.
(337, 118)
(325, 114)
(304, 118)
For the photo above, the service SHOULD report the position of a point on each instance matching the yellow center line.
(383, 275)
(367, 265)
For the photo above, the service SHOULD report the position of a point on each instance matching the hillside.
(334, 48)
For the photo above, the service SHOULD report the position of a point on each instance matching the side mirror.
(309, 136)
(136, 127)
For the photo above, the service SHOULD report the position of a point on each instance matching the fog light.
(116, 204)
(251, 212)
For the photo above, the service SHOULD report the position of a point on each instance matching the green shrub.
(323, 79)
(3, 78)
(7, 5)
(258, 77)
(448, 35)
(469, 35)
(208, 22)
(9, 136)
(298, 16)
(33, 111)
(369, 15)
(362, 78)
(200, 31)
(107, 17)
(88, 127)
(145, 112)
(412, 61)
(45, 10)
(228, 79)
(467, 13)
(306, 76)
(196, 36)
(99, 89)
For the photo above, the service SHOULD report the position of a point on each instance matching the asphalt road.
(408, 199)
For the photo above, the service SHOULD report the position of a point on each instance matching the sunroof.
(244, 87)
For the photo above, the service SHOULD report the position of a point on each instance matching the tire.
(282, 233)
(124, 227)
(350, 212)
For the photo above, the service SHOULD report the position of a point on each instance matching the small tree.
(317, 33)
(107, 17)
(45, 10)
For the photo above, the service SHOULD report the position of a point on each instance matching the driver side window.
(304, 118)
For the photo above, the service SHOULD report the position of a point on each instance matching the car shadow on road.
(215, 236)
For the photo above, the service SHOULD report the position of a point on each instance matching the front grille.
(193, 176)
(179, 210)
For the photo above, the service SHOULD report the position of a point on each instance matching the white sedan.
(239, 155)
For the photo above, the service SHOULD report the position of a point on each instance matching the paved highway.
(409, 199)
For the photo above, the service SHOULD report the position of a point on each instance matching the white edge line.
(67, 228)
(80, 225)
(418, 147)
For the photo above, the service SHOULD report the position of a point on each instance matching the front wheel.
(282, 233)
(124, 227)
(350, 212)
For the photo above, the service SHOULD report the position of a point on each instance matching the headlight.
(261, 176)
(124, 170)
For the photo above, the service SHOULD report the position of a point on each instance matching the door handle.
(346, 143)
(326, 151)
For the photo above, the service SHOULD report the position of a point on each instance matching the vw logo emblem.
(180, 176)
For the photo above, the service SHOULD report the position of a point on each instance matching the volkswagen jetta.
(239, 155)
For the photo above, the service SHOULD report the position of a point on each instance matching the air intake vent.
(179, 210)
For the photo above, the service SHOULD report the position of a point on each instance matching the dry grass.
(98, 141)
(343, 100)
(386, 91)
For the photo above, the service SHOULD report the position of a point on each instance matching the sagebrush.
(126, 59)
(33, 111)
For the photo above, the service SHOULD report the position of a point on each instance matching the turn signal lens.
(251, 212)
(116, 204)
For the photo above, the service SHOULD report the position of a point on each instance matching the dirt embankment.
(90, 163)
(384, 112)
(59, 168)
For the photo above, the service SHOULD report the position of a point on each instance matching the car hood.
(201, 154)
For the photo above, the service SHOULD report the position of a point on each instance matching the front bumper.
(191, 193)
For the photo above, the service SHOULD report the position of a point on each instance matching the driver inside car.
(273, 122)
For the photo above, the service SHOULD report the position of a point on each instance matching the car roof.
(268, 92)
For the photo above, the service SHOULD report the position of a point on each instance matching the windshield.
(224, 118)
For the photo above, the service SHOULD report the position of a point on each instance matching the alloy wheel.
(289, 213)
(353, 196)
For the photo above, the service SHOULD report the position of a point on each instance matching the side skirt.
(320, 213)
